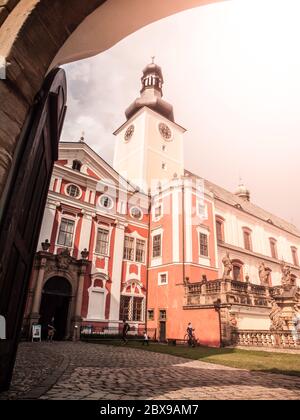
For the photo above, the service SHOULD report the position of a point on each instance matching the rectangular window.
(236, 273)
(295, 256)
(162, 279)
(125, 308)
(66, 231)
(102, 241)
(156, 246)
(157, 212)
(151, 314)
(202, 211)
(247, 240)
(128, 248)
(273, 248)
(219, 228)
(137, 309)
(162, 315)
(203, 245)
(140, 251)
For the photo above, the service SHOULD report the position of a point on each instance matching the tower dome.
(243, 192)
(151, 93)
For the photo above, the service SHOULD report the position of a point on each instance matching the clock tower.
(149, 145)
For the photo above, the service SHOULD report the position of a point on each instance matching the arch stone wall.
(37, 34)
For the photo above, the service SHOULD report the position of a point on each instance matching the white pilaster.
(114, 310)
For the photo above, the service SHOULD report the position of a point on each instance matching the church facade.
(150, 242)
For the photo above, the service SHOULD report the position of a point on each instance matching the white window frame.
(156, 206)
(164, 273)
(203, 259)
(104, 227)
(157, 260)
(160, 254)
(106, 196)
(135, 238)
(136, 218)
(71, 196)
(203, 204)
(71, 218)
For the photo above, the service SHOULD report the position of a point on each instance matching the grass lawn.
(288, 364)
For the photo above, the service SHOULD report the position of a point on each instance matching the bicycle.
(192, 341)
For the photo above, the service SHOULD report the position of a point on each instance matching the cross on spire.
(152, 59)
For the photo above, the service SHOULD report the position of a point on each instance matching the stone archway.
(55, 305)
(36, 35)
(33, 34)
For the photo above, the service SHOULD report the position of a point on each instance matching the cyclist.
(190, 332)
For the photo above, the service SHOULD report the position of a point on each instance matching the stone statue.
(227, 266)
(264, 274)
(63, 259)
(286, 278)
(277, 323)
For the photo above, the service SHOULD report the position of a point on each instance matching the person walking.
(51, 330)
(126, 328)
(146, 339)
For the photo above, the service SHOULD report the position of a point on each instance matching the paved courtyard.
(96, 372)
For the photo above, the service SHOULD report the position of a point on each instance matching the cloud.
(231, 71)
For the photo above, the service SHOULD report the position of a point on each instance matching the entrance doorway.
(162, 331)
(55, 306)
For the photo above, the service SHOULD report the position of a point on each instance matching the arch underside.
(37, 35)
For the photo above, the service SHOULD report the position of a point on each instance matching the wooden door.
(23, 208)
(162, 331)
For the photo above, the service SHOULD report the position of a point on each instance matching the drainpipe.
(183, 232)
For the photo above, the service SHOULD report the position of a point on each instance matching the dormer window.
(76, 165)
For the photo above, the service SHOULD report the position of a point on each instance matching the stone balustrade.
(228, 291)
(265, 338)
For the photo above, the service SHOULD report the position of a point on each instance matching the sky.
(232, 74)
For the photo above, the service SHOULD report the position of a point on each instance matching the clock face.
(129, 133)
(165, 131)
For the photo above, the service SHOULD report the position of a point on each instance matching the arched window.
(220, 228)
(247, 238)
(76, 165)
(237, 270)
(273, 247)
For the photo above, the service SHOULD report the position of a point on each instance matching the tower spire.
(151, 93)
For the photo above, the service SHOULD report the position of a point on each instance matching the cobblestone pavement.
(98, 372)
(34, 364)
